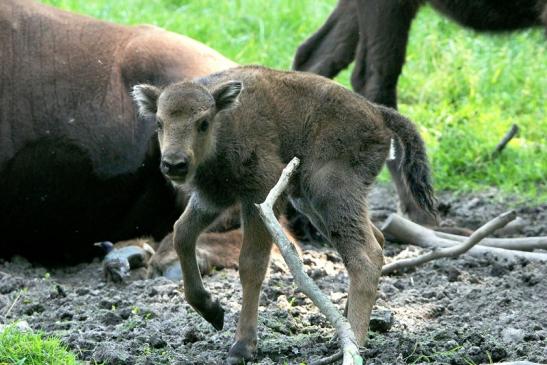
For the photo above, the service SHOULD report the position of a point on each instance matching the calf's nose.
(174, 167)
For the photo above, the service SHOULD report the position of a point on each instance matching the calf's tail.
(412, 159)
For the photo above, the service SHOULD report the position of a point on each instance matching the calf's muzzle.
(174, 167)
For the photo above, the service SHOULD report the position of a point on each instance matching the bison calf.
(226, 137)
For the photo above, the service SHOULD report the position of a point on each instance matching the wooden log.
(399, 229)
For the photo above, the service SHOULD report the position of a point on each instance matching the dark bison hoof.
(215, 315)
(240, 353)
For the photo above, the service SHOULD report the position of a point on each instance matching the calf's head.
(187, 118)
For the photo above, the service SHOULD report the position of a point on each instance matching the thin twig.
(506, 138)
(304, 282)
(14, 302)
(329, 359)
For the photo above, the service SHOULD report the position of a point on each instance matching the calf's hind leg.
(341, 210)
(253, 263)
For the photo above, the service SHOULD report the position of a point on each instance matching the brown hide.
(215, 250)
(77, 165)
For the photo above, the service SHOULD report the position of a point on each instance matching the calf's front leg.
(253, 263)
(192, 222)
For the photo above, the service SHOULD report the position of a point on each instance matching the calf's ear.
(226, 94)
(146, 98)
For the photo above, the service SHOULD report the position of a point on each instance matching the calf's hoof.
(240, 352)
(214, 314)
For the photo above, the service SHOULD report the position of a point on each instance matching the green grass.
(462, 88)
(26, 348)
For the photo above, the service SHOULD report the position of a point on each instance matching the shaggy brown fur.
(225, 138)
(77, 164)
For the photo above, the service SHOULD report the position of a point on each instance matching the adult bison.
(77, 164)
(374, 33)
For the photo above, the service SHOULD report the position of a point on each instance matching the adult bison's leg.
(253, 263)
(187, 229)
(332, 47)
(383, 34)
(384, 26)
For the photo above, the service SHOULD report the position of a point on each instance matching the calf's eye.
(159, 125)
(203, 125)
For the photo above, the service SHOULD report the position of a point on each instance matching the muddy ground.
(451, 311)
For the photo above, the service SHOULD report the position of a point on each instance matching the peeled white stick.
(456, 250)
(518, 243)
(402, 230)
(305, 283)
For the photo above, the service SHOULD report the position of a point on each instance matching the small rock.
(156, 341)
(66, 315)
(453, 274)
(110, 318)
(318, 273)
(59, 292)
(531, 337)
(498, 270)
(148, 313)
(82, 291)
(333, 257)
(21, 326)
(450, 345)
(475, 339)
(381, 320)
(125, 312)
(337, 297)
(10, 283)
(34, 308)
(530, 279)
(191, 336)
(436, 311)
(107, 304)
(109, 353)
(512, 335)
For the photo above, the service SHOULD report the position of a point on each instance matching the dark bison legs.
(375, 32)
(332, 48)
(383, 27)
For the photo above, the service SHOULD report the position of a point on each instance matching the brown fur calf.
(225, 138)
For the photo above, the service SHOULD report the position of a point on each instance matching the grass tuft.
(27, 348)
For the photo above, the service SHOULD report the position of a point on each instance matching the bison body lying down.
(77, 165)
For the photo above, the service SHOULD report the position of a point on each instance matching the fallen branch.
(506, 138)
(305, 283)
(520, 244)
(456, 250)
(399, 229)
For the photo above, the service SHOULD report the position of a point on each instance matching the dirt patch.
(452, 311)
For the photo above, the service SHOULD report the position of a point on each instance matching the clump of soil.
(451, 311)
